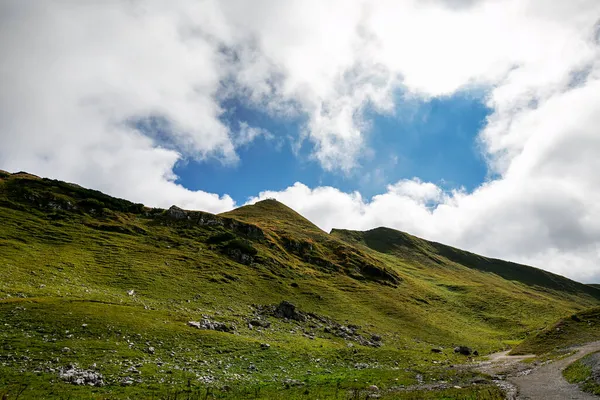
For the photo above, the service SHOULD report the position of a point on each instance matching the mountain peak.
(274, 215)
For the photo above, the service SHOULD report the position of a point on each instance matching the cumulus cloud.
(114, 94)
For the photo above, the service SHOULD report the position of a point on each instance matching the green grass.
(69, 256)
(581, 372)
(577, 329)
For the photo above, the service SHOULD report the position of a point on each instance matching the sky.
(474, 123)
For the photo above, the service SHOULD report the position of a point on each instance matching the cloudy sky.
(471, 122)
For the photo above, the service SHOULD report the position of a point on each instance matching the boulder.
(464, 350)
(261, 323)
(285, 309)
(177, 213)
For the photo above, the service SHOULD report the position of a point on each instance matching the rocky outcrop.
(285, 309)
(320, 325)
(207, 219)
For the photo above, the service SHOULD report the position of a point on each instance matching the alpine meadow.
(101, 298)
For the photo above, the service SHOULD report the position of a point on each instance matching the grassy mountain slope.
(410, 248)
(89, 279)
(577, 329)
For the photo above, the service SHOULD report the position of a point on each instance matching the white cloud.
(247, 134)
(76, 76)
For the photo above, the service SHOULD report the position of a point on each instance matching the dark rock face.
(239, 256)
(434, 350)
(285, 309)
(379, 273)
(464, 350)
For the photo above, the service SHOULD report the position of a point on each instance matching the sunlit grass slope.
(87, 279)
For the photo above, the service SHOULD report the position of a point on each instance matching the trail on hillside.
(531, 382)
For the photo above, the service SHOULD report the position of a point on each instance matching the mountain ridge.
(401, 242)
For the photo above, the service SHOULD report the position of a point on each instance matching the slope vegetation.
(410, 248)
(164, 302)
(576, 329)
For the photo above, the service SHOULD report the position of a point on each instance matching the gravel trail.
(547, 382)
(527, 381)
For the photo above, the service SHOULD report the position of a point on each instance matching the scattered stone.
(211, 325)
(151, 350)
(65, 350)
(76, 376)
(127, 381)
(131, 292)
(134, 370)
(288, 311)
(207, 379)
(292, 382)
(265, 346)
(373, 388)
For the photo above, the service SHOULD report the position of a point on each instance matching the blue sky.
(434, 140)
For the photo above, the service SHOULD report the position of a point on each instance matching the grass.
(577, 329)
(71, 257)
(581, 372)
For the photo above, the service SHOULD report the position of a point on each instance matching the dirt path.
(530, 382)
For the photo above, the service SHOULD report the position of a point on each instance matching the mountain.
(412, 249)
(256, 301)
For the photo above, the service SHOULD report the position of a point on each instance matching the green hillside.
(187, 304)
(576, 329)
(412, 249)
